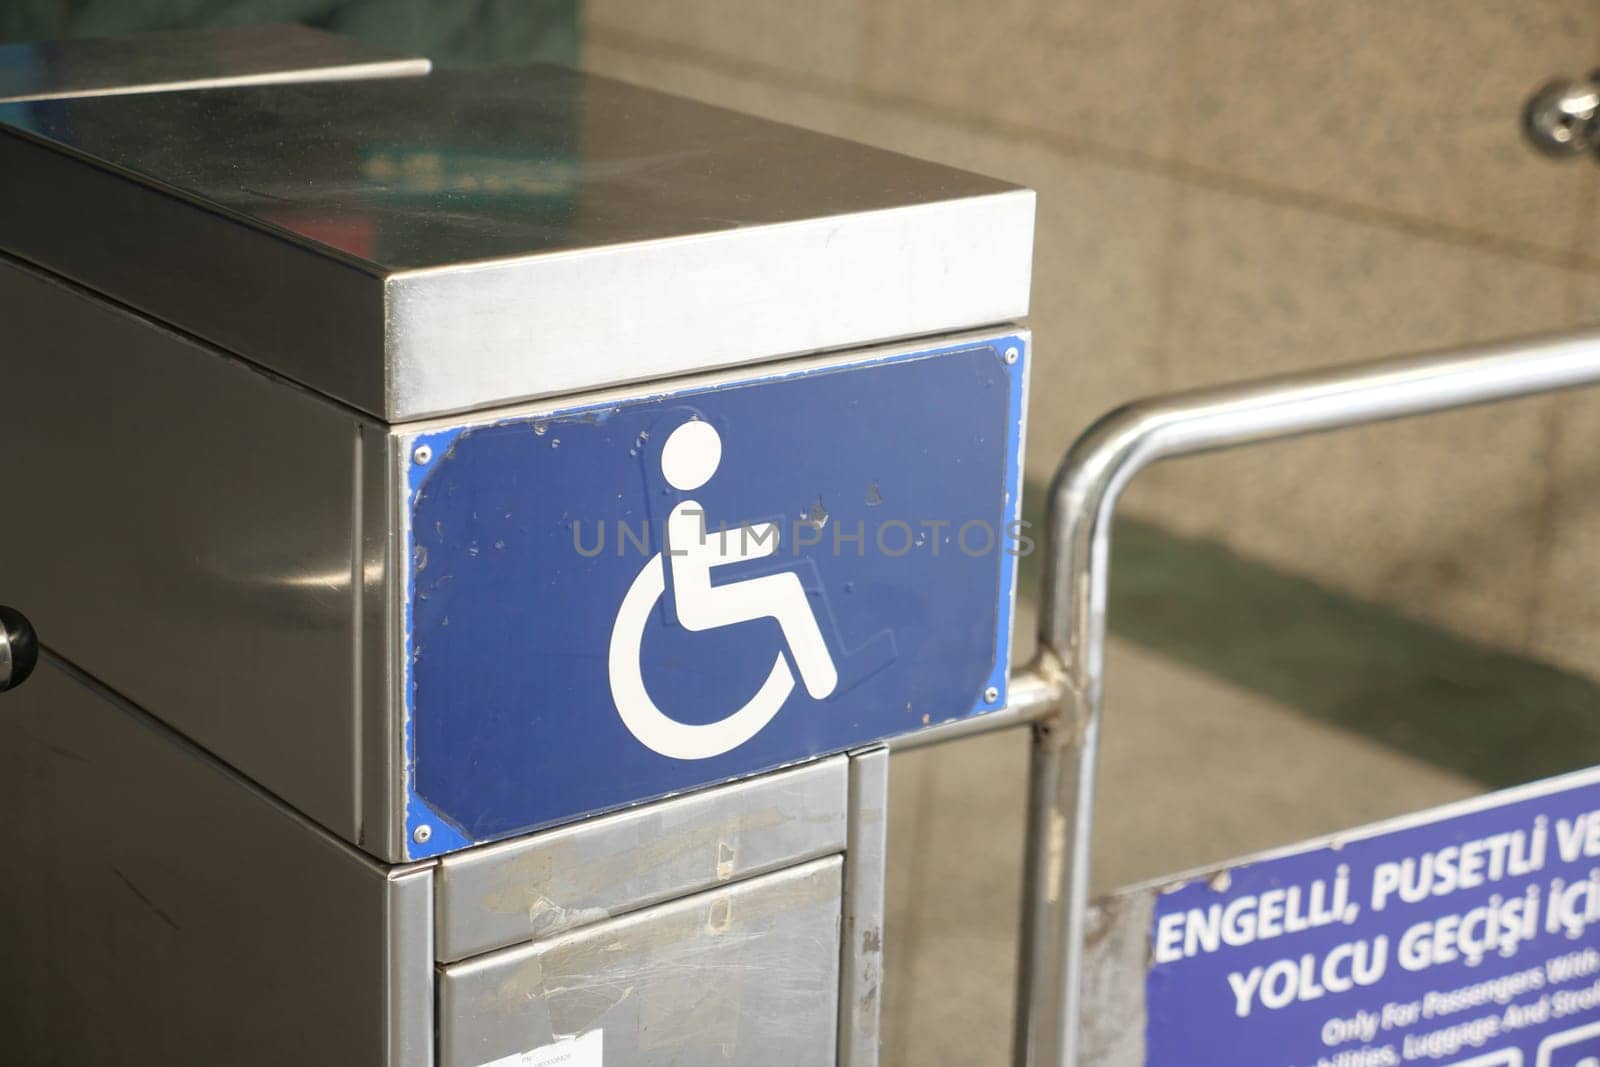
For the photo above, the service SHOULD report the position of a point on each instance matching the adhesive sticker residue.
(584, 1050)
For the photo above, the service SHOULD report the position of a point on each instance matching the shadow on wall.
(462, 32)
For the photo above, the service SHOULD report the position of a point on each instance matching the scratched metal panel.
(745, 976)
(156, 908)
(1115, 961)
(541, 885)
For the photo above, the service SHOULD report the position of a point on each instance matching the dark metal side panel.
(180, 526)
(157, 909)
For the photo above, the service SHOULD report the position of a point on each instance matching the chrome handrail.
(1062, 693)
(1072, 621)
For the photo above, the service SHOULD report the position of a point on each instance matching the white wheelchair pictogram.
(689, 459)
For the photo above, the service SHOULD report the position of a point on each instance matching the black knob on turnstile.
(19, 648)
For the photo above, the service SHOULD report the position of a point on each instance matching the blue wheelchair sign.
(616, 601)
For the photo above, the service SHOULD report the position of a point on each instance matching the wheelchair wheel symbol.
(653, 727)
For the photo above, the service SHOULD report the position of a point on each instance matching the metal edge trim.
(396, 589)
(425, 307)
(696, 380)
(358, 594)
(390, 68)
(410, 986)
(1025, 334)
(375, 661)
(1019, 193)
(861, 973)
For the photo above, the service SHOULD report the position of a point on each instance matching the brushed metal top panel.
(495, 221)
(537, 886)
(190, 59)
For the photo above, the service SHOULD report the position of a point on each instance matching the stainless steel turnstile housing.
(232, 292)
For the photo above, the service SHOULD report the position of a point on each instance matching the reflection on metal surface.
(1563, 117)
(191, 59)
(424, 245)
(257, 570)
(194, 540)
(19, 648)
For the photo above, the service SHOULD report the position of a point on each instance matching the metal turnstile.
(480, 527)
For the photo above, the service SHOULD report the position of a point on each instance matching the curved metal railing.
(1062, 693)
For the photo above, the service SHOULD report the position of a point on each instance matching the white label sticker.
(580, 1051)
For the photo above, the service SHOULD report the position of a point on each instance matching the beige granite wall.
(1233, 188)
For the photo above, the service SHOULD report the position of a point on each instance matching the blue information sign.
(1466, 937)
(616, 601)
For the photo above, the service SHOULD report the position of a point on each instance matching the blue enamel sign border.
(443, 833)
(1465, 936)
